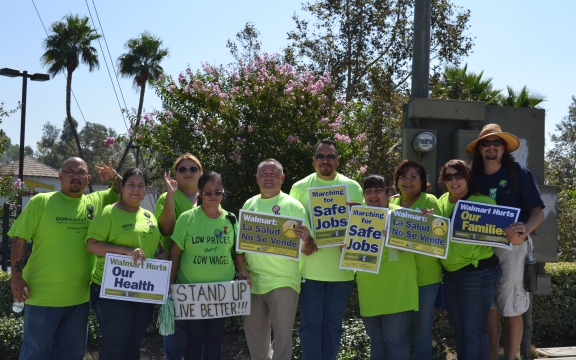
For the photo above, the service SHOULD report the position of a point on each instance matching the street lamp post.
(25, 76)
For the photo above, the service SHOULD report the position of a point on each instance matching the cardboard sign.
(482, 224)
(427, 235)
(268, 234)
(364, 239)
(124, 280)
(211, 300)
(328, 214)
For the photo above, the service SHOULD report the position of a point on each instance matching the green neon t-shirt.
(324, 265)
(206, 245)
(460, 255)
(59, 269)
(428, 267)
(119, 227)
(181, 204)
(394, 289)
(270, 272)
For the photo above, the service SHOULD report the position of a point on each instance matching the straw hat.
(512, 142)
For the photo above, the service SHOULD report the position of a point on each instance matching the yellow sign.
(328, 214)
(364, 239)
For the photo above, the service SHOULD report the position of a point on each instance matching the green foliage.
(11, 334)
(522, 98)
(460, 84)
(233, 118)
(6, 298)
(560, 170)
(554, 316)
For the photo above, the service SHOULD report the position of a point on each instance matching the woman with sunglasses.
(471, 272)
(387, 318)
(127, 229)
(173, 203)
(410, 180)
(203, 241)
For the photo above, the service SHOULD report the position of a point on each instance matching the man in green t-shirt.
(56, 280)
(325, 287)
(274, 281)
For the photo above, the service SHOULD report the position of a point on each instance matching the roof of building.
(32, 167)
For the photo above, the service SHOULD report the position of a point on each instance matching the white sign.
(142, 282)
(211, 300)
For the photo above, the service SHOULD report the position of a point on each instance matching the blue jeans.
(424, 321)
(469, 297)
(122, 325)
(55, 332)
(195, 340)
(389, 336)
(322, 305)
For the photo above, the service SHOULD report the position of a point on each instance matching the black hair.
(131, 172)
(206, 177)
(375, 181)
(326, 142)
(403, 168)
(478, 161)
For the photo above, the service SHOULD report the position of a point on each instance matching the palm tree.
(142, 61)
(523, 98)
(457, 83)
(70, 43)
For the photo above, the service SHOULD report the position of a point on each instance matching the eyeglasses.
(80, 174)
(185, 169)
(486, 143)
(378, 191)
(213, 193)
(457, 175)
(411, 177)
(322, 157)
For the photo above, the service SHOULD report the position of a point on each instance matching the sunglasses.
(457, 175)
(185, 169)
(213, 193)
(322, 157)
(486, 143)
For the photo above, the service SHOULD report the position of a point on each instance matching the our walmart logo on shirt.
(493, 193)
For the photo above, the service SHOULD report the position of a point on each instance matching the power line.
(106, 62)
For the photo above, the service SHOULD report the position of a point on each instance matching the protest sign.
(328, 214)
(426, 235)
(364, 239)
(482, 224)
(268, 234)
(141, 282)
(211, 300)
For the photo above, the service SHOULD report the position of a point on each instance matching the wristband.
(115, 177)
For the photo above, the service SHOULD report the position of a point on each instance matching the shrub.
(554, 316)
(11, 331)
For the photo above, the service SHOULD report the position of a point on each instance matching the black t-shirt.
(500, 188)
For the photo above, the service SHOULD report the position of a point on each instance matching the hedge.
(554, 320)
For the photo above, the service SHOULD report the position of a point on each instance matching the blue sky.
(516, 43)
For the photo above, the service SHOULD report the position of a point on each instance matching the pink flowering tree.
(232, 118)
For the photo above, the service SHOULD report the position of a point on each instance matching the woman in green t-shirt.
(411, 180)
(127, 229)
(471, 272)
(387, 318)
(171, 204)
(203, 241)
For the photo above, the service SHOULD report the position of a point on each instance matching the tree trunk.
(70, 122)
(131, 145)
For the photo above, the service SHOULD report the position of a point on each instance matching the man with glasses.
(275, 282)
(325, 288)
(509, 184)
(56, 280)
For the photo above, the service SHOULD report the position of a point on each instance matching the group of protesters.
(480, 283)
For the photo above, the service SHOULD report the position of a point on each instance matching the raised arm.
(107, 173)
(167, 219)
